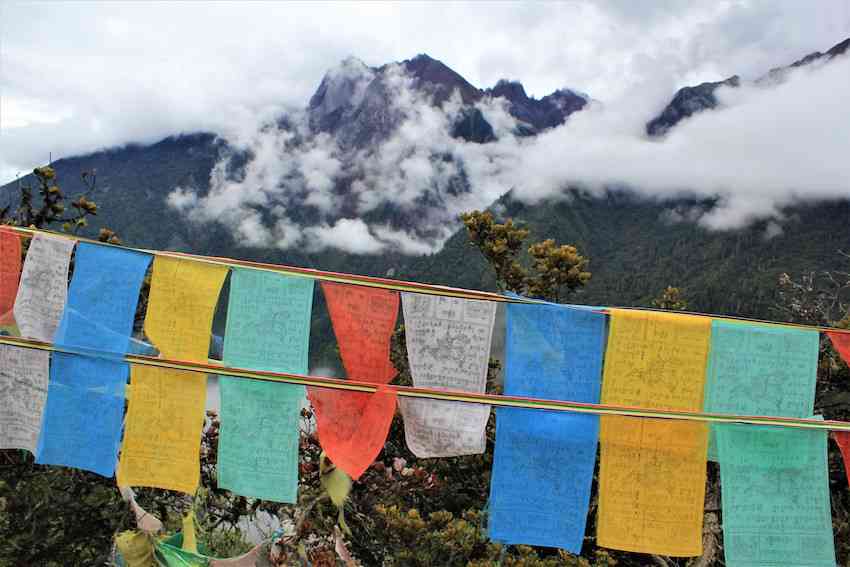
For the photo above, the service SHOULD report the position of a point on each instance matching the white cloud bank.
(79, 77)
(763, 148)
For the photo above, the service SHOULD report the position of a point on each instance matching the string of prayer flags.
(842, 438)
(10, 273)
(760, 370)
(353, 426)
(39, 303)
(652, 472)
(448, 347)
(268, 328)
(775, 496)
(543, 462)
(85, 401)
(165, 415)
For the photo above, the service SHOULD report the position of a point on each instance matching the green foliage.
(51, 209)
(671, 299)
(555, 271)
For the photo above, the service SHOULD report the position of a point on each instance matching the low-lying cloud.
(763, 148)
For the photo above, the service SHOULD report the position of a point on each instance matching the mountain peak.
(537, 115)
(691, 100)
(343, 87)
(440, 80)
(511, 90)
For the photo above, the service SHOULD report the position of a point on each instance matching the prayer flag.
(775, 496)
(24, 372)
(353, 426)
(841, 342)
(652, 472)
(23, 389)
(44, 287)
(448, 347)
(85, 401)
(268, 328)
(165, 416)
(760, 370)
(10, 273)
(543, 463)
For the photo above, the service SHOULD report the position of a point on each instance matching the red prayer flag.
(363, 319)
(353, 426)
(10, 273)
(841, 342)
(843, 440)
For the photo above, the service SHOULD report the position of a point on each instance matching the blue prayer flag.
(85, 398)
(544, 461)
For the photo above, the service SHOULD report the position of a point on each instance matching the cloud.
(348, 235)
(84, 76)
(90, 76)
(762, 149)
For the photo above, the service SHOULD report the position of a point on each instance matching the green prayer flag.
(268, 328)
(775, 496)
(760, 370)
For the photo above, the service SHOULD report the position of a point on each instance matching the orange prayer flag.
(10, 273)
(843, 440)
(363, 320)
(841, 342)
(353, 426)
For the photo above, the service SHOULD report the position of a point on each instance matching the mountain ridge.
(694, 99)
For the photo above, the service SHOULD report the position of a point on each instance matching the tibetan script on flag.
(268, 328)
(652, 472)
(448, 347)
(775, 496)
(85, 402)
(543, 463)
(165, 416)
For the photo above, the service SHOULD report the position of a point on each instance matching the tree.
(671, 299)
(51, 209)
(555, 272)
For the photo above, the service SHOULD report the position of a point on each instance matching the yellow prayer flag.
(165, 416)
(652, 471)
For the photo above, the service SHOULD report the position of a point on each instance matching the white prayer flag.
(44, 287)
(24, 372)
(448, 347)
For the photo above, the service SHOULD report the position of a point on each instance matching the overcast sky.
(76, 77)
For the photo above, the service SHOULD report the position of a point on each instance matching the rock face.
(691, 100)
(537, 115)
(687, 102)
(439, 81)
(342, 89)
(355, 103)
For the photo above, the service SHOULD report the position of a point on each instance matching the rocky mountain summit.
(691, 100)
(355, 102)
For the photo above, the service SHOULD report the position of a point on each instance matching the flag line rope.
(397, 285)
(434, 394)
